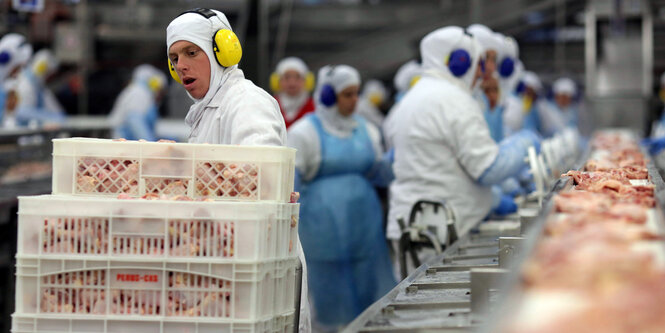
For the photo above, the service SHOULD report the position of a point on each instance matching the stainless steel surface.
(483, 280)
(509, 249)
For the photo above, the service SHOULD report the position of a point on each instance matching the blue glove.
(654, 145)
(510, 159)
(390, 155)
(506, 206)
(511, 187)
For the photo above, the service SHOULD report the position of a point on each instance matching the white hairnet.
(339, 77)
(44, 64)
(292, 63)
(438, 44)
(405, 75)
(531, 80)
(564, 86)
(374, 88)
(509, 47)
(16, 51)
(485, 37)
(145, 73)
(199, 30)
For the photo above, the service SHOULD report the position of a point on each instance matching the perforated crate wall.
(220, 172)
(116, 288)
(57, 226)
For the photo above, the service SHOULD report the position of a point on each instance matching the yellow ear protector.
(274, 82)
(40, 68)
(225, 44)
(414, 80)
(154, 84)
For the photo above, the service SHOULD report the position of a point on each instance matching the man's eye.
(174, 60)
(192, 53)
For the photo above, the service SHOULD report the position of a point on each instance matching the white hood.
(340, 78)
(405, 75)
(16, 51)
(438, 44)
(199, 30)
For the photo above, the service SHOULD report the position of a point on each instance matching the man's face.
(347, 99)
(192, 66)
(490, 64)
(292, 83)
(562, 100)
(491, 90)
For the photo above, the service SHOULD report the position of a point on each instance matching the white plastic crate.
(151, 230)
(46, 324)
(102, 167)
(128, 290)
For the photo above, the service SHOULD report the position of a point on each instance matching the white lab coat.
(240, 114)
(442, 146)
(554, 120)
(29, 91)
(136, 97)
(371, 113)
(513, 114)
(244, 114)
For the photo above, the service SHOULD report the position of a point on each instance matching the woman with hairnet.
(135, 112)
(371, 99)
(15, 52)
(292, 82)
(443, 149)
(37, 104)
(562, 112)
(405, 78)
(203, 55)
(341, 227)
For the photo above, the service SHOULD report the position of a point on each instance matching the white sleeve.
(303, 136)
(513, 115)
(375, 137)
(51, 103)
(257, 120)
(474, 147)
(26, 93)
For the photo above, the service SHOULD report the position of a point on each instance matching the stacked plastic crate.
(159, 237)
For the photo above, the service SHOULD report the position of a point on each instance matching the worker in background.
(135, 112)
(203, 54)
(443, 148)
(371, 99)
(490, 46)
(492, 110)
(37, 105)
(562, 112)
(339, 159)
(15, 52)
(405, 78)
(510, 72)
(527, 116)
(292, 82)
(658, 127)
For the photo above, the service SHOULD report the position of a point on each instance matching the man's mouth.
(188, 81)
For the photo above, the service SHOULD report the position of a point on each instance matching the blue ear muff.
(507, 67)
(459, 62)
(520, 87)
(328, 96)
(5, 57)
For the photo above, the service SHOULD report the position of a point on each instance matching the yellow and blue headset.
(506, 67)
(225, 44)
(276, 87)
(459, 60)
(327, 95)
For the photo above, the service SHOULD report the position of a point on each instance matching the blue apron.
(494, 120)
(341, 229)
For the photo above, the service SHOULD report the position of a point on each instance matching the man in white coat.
(228, 109)
(443, 148)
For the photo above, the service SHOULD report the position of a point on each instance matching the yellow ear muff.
(376, 99)
(226, 47)
(174, 74)
(40, 68)
(154, 84)
(661, 94)
(526, 104)
(274, 82)
(309, 81)
(414, 80)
